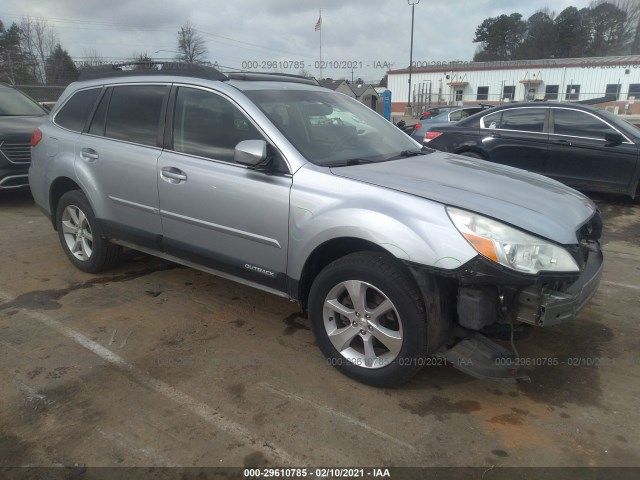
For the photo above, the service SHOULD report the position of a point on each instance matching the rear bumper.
(14, 177)
(542, 306)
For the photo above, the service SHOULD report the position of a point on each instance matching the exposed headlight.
(511, 247)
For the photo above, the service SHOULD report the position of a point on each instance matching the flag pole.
(320, 44)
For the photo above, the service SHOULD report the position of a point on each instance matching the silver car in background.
(448, 117)
(397, 253)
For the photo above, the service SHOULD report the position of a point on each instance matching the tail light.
(418, 126)
(431, 135)
(36, 136)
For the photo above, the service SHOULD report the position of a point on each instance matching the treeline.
(31, 54)
(603, 29)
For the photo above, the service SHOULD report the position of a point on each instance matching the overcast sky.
(372, 33)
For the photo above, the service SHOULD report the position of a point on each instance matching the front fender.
(409, 227)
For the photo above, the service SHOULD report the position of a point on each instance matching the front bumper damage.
(544, 307)
(484, 295)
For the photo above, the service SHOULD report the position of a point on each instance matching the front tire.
(368, 319)
(81, 236)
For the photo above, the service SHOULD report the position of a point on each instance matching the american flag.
(318, 24)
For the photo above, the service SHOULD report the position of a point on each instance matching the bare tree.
(632, 26)
(90, 58)
(38, 40)
(144, 61)
(192, 47)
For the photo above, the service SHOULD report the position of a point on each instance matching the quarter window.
(134, 113)
(75, 112)
(208, 125)
(579, 124)
(492, 121)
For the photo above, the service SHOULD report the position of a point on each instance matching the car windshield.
(14, 103)
(330, 129)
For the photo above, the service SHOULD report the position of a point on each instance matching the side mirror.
(613, 138)
(250, 152)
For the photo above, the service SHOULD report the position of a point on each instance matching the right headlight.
(509, 246)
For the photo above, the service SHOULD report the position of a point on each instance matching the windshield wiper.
(349, 162)
(412, 153)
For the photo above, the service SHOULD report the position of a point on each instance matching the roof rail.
(151, 68)
(271, 77)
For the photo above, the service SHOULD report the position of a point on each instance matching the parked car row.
(421, 130)
(586, 148)
(19, 116)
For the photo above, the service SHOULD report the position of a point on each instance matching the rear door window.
(75, 112)
(135, 113)
(523, 119)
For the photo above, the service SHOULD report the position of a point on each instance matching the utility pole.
(413, 4)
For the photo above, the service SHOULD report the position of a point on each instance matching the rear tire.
(368, 319)
(80, 234)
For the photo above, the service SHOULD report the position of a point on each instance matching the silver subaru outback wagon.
(399, 254)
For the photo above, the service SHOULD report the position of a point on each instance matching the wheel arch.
(59, 187)
(437, 294)
(323, 255)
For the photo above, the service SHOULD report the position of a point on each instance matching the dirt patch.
(293, 325)
(255, 459)
(13, 450)
(441, 407)
(48, 299)
(576, 377)
(236, 389)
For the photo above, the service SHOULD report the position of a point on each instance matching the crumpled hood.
(532, 202)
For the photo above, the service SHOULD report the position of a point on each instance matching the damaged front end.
(485, 298)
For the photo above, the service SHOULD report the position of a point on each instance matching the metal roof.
(615, 61)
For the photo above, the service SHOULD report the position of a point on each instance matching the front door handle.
(89, 154)
(173, 175)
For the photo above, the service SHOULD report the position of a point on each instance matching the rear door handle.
(173, 175)
(89, 154)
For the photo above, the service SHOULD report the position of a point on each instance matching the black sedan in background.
(19, 116)
(588, 149)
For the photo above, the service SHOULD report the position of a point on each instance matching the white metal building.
(567, 79)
